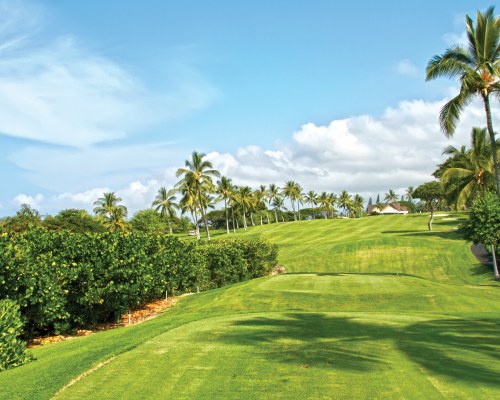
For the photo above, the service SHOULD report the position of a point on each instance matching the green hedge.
(63, 280)
(12, 349)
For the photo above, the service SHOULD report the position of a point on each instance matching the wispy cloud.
(59, 92)
(406, 67)
(63, 170)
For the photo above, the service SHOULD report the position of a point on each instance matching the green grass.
(371, 308)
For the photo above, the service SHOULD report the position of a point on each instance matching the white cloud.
(34, 201)
(361, 154)
(63, 170)
(452, 39)
(56, 91)
(406, 67)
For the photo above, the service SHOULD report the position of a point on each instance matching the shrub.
(62, 280)
(12, 349)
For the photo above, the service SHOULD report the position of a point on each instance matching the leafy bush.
(62, 280)
(12, 349)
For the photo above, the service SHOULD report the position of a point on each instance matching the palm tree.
(409, 193)
(188, 203)
(333, 199)
(245, 199)
(224, 190)
(278, 204)
(357, 204)
(344, 201)
(325, 202)
(198, 173)
(233, 202)
(273, 193)
(260, 195)
(112, 214)
(391, 197)
(290, 191)
(299, 197)
(478, 68)
(116, 221)
(468, 172)
(165, 205)
(311, 198)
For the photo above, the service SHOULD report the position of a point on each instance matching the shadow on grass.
(465, 349)
(453, 235)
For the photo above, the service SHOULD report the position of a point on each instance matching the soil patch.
(142, 314)
(481, 254)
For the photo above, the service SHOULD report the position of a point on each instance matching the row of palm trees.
(196, 192)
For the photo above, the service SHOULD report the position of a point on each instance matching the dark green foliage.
(62, 280)
(483, 224)
(12, 349)
(79, 221)
(24, 219)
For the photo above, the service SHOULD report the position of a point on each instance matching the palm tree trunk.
(195, 219)
(261, 223)
(251, 219)
(293, 208)
(169, 225)
(232, 212)
(495, 264)
(227, 217)
(203, 216)
(267, 215)
(491, 133)
(276, 216)
(298, 209)
(244, 219)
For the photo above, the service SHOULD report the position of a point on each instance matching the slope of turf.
(341, 331)
(393, 244)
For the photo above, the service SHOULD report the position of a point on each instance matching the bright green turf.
(316, 333)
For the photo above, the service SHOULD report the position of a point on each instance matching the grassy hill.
(370, 308)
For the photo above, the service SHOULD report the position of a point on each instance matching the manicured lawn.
(371, 308)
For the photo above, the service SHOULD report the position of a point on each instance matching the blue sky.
(114, 96)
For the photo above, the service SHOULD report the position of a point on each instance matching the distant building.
(387, 209)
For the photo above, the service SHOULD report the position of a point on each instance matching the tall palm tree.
(344, 201)
(409, 193)
(278, 204)
(357, 205)
(198, 173)
(311, 198)
(224, 190)
(260, 195)
(165, 205)
(116, 221)
(391, 196)
(246, 201)
(273, 193)
(110, 212)
(468, 172)
(299, 197)
(325, 202)
(477, 66)
(290, 191)
(233, 202)
(188, 203)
